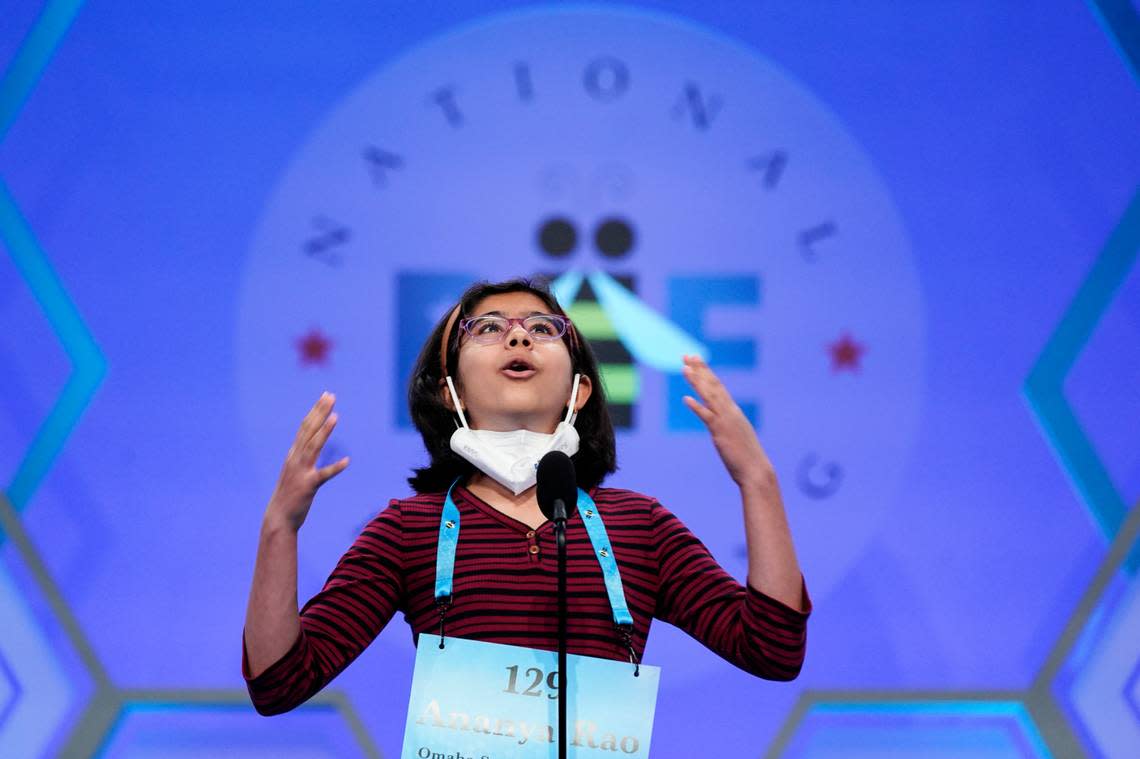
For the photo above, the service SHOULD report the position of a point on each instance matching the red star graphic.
(314, 348)
(845, 354)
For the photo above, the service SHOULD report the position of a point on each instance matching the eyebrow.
(500, 313)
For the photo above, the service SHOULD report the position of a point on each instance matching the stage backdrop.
(905, 235)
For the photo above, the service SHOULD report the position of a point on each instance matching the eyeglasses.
(486, 330)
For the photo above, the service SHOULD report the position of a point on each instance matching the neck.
(510, 424)
(491, 491)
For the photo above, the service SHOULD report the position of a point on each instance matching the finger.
(320, 437)
(326, 473)
(703, 413)
(303, 430)
(315, 418)
(706, 383)
(700, 383)
(707, 375)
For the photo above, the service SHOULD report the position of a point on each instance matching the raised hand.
(300, 478)
(732, 433)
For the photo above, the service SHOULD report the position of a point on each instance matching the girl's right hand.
(300, 478)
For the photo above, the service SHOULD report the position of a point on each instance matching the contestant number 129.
(534, 674)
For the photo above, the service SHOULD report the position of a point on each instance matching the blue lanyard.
(449, 538)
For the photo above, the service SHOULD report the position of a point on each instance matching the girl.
(504, 378)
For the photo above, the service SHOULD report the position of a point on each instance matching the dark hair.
(596, 455)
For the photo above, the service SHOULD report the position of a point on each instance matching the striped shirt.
(505, 591)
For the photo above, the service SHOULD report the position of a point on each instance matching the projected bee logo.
(681, 193)
(610, 237)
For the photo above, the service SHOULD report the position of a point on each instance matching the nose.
(513, 337)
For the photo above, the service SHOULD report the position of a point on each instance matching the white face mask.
(511, 458)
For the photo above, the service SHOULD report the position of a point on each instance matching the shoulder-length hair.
(596, 455)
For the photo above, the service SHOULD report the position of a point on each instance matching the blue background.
(986, 616)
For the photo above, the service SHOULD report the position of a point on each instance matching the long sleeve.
(742, 625)
(357, 601)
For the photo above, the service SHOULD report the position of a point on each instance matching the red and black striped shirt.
(505, 587)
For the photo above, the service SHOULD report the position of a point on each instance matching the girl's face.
(518, 382)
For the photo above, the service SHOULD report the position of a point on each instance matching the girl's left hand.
(732, 433)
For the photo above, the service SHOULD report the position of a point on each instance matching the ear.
(585, 389)
(445, 396)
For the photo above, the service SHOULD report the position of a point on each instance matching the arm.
(271, 620)
(746, 627)
(772, 565)
(761, 628)
(272, 624)
(336, 625)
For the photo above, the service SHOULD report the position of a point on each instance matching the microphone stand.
(560, 538)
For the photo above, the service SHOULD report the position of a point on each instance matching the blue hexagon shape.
(36, 695)
(9, 691)
(157, 730)
(1122, 22)
(89, 365)
(1099, 686)
(1044, 387)
(930, 729)
(33, 56)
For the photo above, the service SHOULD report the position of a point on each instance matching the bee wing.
(565, 288)
(650, 337)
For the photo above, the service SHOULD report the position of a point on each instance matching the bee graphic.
(621, 328)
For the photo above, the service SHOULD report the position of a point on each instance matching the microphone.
(557, 486)
(557, 497)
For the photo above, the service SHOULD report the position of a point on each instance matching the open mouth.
(518, 368)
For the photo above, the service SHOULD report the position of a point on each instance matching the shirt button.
(530, 534)
(534, 549)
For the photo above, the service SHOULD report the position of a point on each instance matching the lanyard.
(591, 518)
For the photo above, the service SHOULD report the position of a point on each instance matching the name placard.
(475, 700)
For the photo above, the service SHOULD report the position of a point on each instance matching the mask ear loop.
(443, 364)
(571, 414)
(455, 400)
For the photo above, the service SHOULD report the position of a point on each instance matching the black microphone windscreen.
(556, 479)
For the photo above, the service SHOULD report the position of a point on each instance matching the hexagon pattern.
(1101, 689)
(933, 730)
(177, 731)
(35, 695)
(9, 691)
